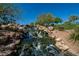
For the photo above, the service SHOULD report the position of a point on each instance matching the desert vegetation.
(37, 38)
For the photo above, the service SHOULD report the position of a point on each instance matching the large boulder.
(8, 41)
(61, 45)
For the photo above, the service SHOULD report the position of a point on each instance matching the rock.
(58, 39)
(50, 28)
(62, 46)
(62, 42)
(1, 34)
(46, 30)
(21, 28)
(52, 36)
(3, 26)
(8, 39)
(13, 27)
(17, 42)
(3, 40)
(12, 45)
(41, 27)
(65, 47)
(9, 25)
(59, 45)
(5, 53)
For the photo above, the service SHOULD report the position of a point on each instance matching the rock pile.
(49, 29)
(13, 27)
(59, 42)
(61, 45)
(42, 28)
(10, 37)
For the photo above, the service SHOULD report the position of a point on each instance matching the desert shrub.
(61, 28)
(8, 13)
(37, 43)
(75, 34)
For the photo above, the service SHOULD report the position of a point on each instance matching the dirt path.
(73, 47)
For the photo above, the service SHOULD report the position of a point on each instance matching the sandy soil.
(73, 46)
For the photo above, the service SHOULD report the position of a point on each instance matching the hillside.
(73, 46)
(36, 40)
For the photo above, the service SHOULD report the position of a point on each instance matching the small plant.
(75, 34)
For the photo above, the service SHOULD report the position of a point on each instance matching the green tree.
(57, 20)
(48, 19)
(73, 18)
(8, 13)
(45, 19)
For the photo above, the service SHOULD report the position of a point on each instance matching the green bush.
(37, 43)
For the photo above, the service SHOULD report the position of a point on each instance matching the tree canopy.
(44, 18)
(47, 19)
(8, 13)
(73, 18)
(57, 20)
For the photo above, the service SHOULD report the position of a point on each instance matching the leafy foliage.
(75, 34)
(44, 19)
(48, 19)
(73, 18)
(57, 20)
(37, 43)
(8, 13)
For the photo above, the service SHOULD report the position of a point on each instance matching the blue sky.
(30, 11)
